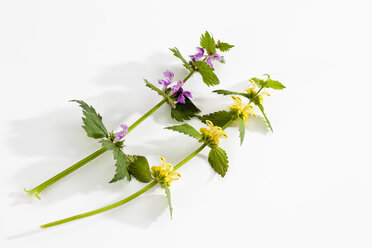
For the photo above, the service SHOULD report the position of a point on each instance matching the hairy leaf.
(167, 192)
(207, 42)
(177, 53)
(241, 130)
(224, 47)
(209, 77)
(269, 83)
(186, 129)
(121, 166)
(170, 101)
(93, 124)
(138, 167)
(219, 118)
(185, 111)
(218, 160)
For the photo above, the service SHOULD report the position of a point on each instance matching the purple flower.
(198, 55)
(181, 97)
(169, 75)
(213, 57)
(177, 89)
(121, 134)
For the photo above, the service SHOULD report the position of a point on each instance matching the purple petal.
(164, 82)
(187, 93)
(209, 62)
(181, 99)
(168, 74)
(178, 86)
(200, 50)
(216, 57)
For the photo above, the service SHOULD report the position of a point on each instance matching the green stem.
(35, 191)
(125, 200)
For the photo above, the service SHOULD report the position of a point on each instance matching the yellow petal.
(265, 93)
(209, 123)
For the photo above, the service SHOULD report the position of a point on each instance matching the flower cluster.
(165, 173)
(176, 90)
(252, 93)
(212, 135)
(122, 133)
(238, 108)
(200, 54)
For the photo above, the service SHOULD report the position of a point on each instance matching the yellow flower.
(254, 93)
(165, 173)
(240, 110)
(212, 135)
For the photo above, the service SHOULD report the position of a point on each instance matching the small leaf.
(241, 130)
(276, 85)
(218, 160)
(93, 124)
(263, 113)
(185, 111)
(219, 118)
(186, 129)
(170, 101)
(224, 47)
(207, 42)
(209, 77)
(177, 53)
(228, 92)
(138, 167)
(167, 192)
(121, 166)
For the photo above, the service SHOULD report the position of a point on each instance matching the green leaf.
(186, 129)
(93, 124)
(209, 77)
(167, 192)
(219, 118)
(218, 160)
(121, 166)
(224, 47)
(170, 101)
(138, 166)
(207, 42)
(177, 53)
(241, 130)
(260, 106)
(269, 83)
(228, 92)
(185, 111)
(273, 84)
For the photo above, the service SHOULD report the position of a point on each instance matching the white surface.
(306, 185)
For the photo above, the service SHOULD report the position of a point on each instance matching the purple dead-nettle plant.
(175, 91)
(213, 57)
(198, 56)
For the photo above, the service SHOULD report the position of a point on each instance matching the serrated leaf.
(219, 118)
(217, 158)
(186, 129)
(185, 111)
(138, 167)
(177, 53)
(269, 83)
(228, 92)
(260, 106)
(207, 42)
(169, 100)
(273, 84)
(241, 130)
(209, 77)
(121, 170)
(167, 192)
(93, 124)
(224, 47)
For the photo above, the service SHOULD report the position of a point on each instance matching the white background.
(306, 185)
